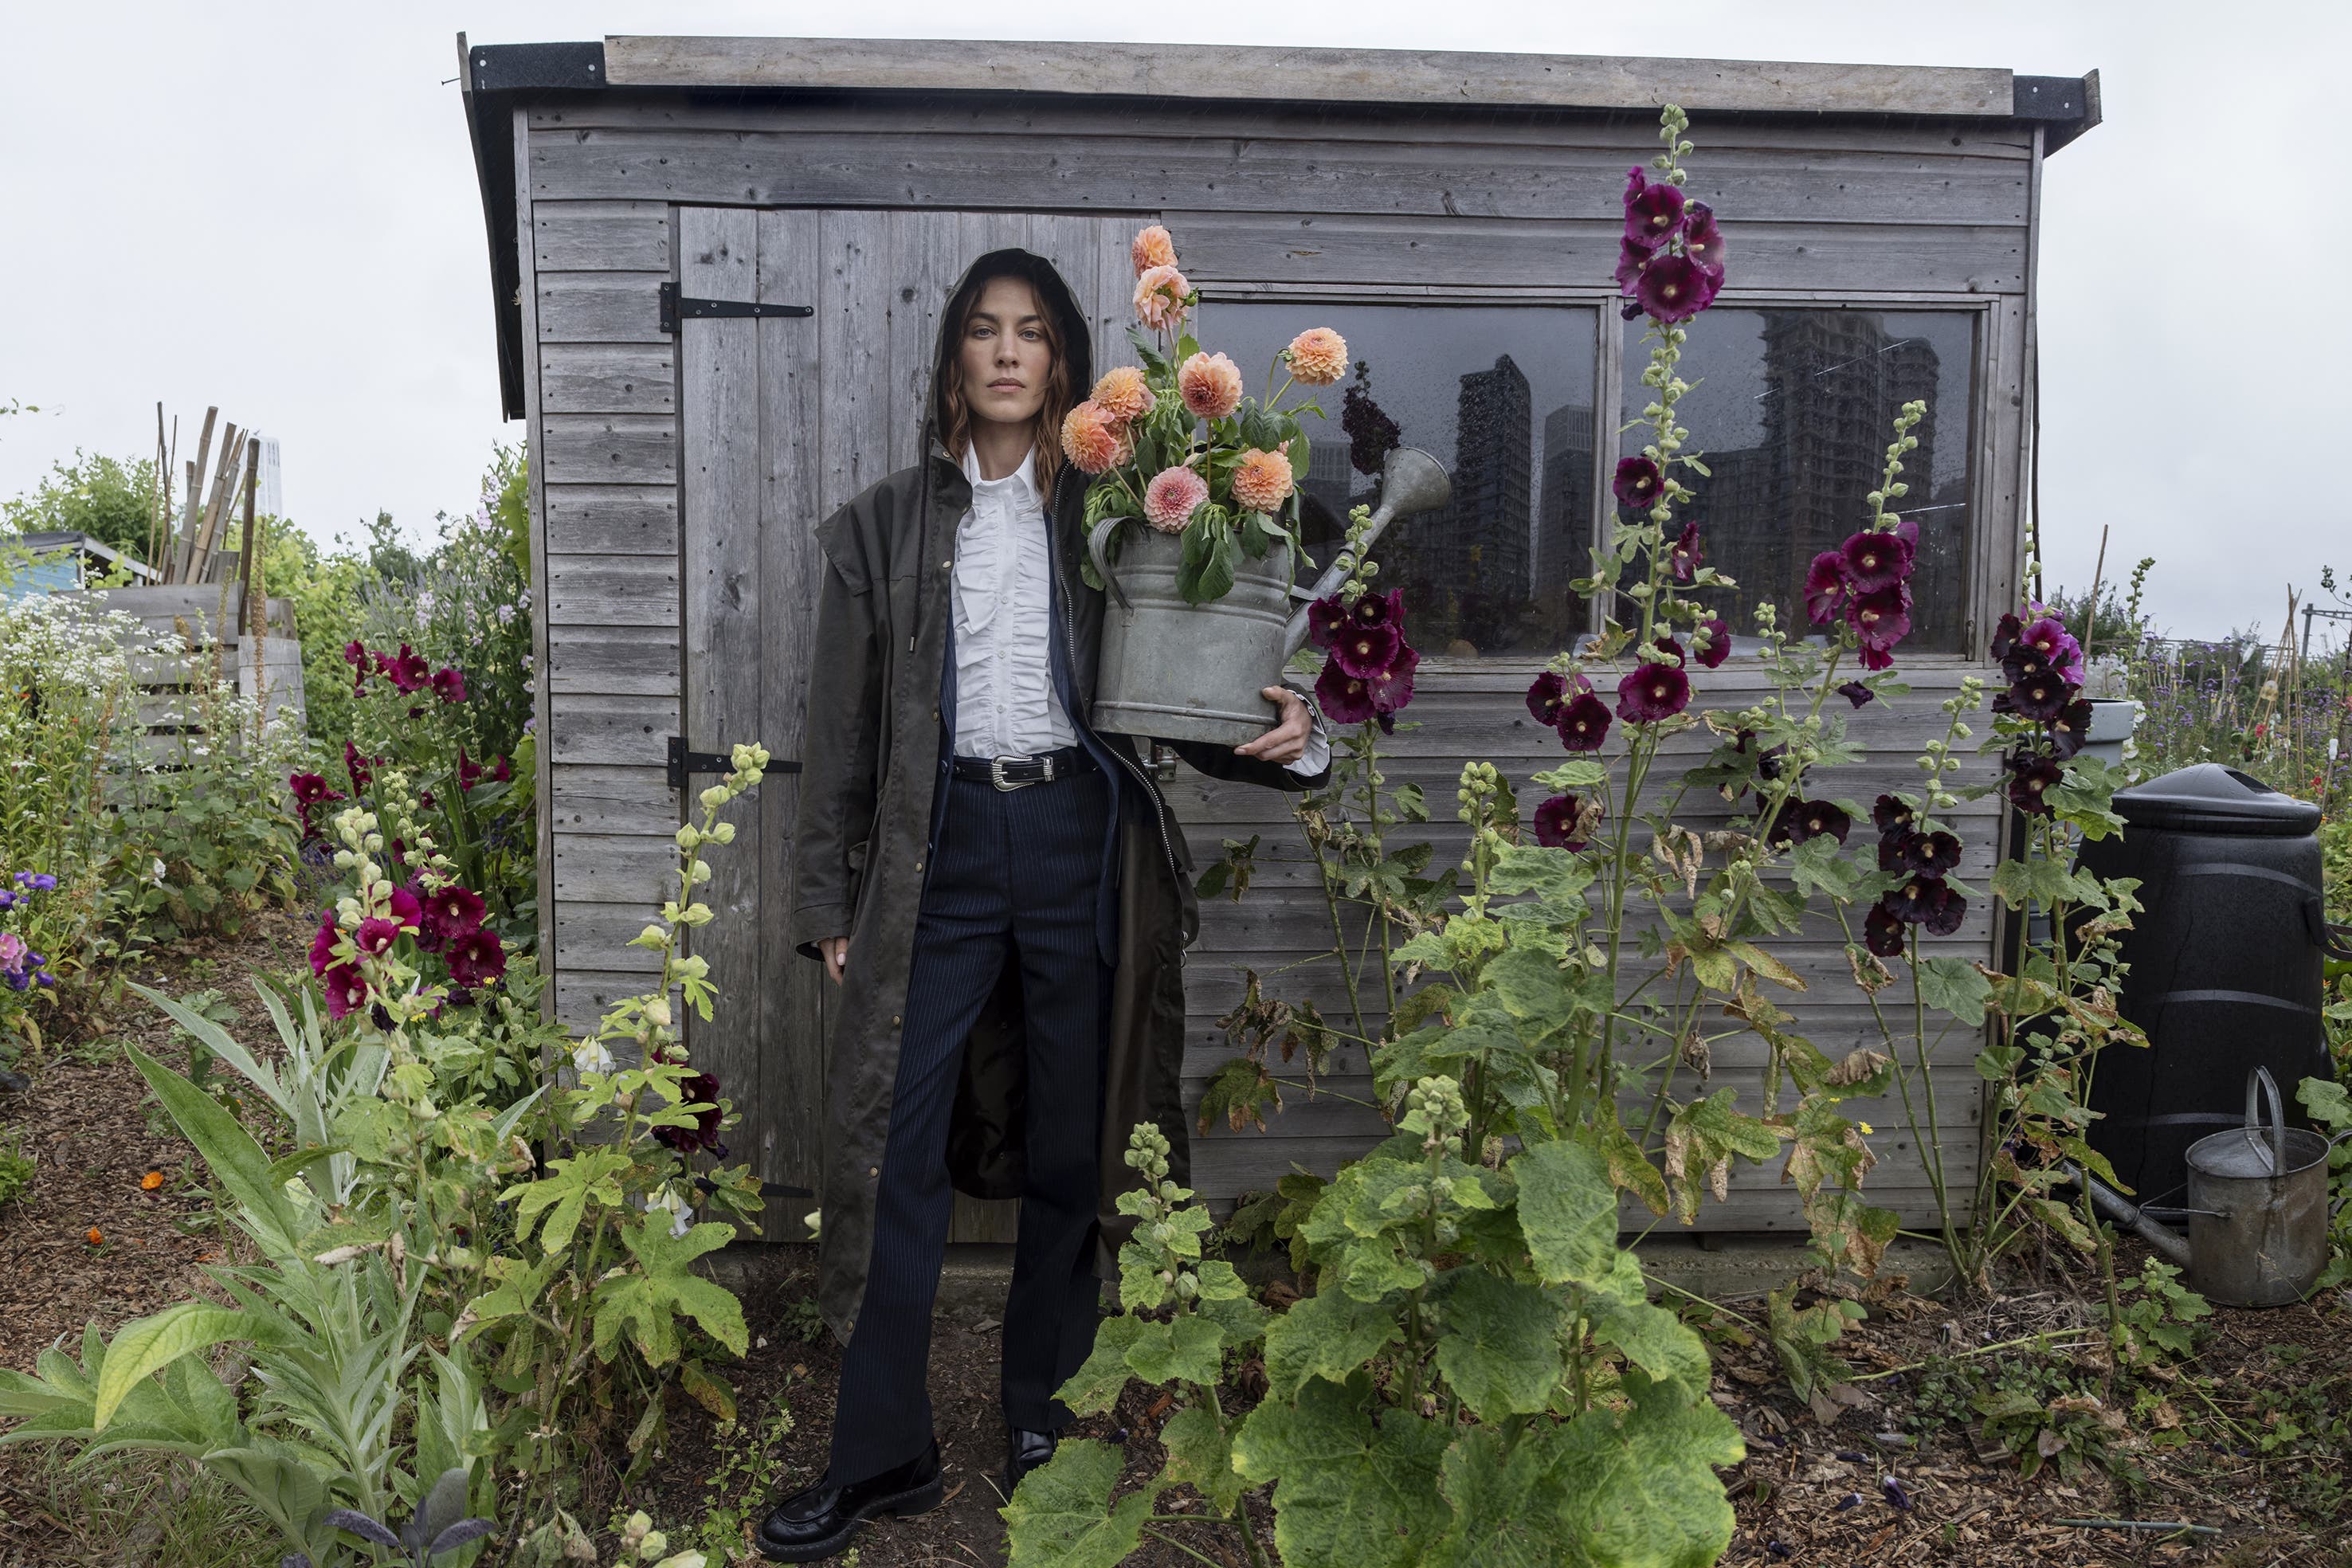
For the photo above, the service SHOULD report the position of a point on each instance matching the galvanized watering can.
(2258, 1212)
(1193, 672)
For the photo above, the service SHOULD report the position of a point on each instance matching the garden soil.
(1812, 1491)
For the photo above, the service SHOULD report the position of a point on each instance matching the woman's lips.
(1003, 386)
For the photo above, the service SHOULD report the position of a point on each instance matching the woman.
(1000, 894)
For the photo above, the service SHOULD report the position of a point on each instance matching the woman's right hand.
(835, 950)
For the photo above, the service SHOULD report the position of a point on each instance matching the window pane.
(1792, 410)
(1503, 396)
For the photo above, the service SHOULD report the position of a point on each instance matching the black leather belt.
(1013, 772)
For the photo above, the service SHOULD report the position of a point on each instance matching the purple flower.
(1928, 901)
(355, 654)
(1345, 698)
(1654, 211)
(1881, 617)
(346, 990)
(1882, 932)
(1584, 723)
(1380, 609)
(453, 911)
(1855, 692)
(1367, 648)
(2049, 638)
(406, 669)
(1637, 483)
(357, 766)
(1703, 239)
(1893, 848)
(1550, 694)
(1888, 814)
(1946, 910)
(2030, 777)
(1632, 257)
(407, 909)
(2005, 636)
(449, 684)
(1556, 820)
(375, 936)
(310, 789)
(1716, 643)
(702, 1090)
(1324, 619)
(1673, 288)
(2071, 727)
(1825, 587)
(2041, 698)
(1803, 820)
(1872, 561)
(1930, 854)
(1652, 693)
(475, 958)
(37, 881)
(1393, 688)
(1684, 554)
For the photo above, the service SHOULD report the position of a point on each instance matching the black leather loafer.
(813, 1524)
(1024, 1451)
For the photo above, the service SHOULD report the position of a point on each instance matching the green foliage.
(2159, 1315)
(17, 1171)
(103, 497)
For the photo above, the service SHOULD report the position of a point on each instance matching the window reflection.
(1503, 396)
(1792, 410)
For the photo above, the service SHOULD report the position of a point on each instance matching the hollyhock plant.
(1345, 698)
(1369, 650)
(375, 935)
(1655, 690)
(1674, 289)
(1556, 822)
(1883, 931)
(1808, 819)
(1825, 587)
(1550, 695)
(406, 669)
(1584, 723)
(1712, 645)
(2032, 775)
(1670, 262)
(1654, 210)
(1325, 619)
(1637, 483)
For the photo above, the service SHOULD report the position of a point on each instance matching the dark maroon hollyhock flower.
(1718, 642)
(1875, 560)
(1808, 819)
(702, 1090)
(2071, 728)
(1380, 609)
(1882, 932)
(453, 909)
(2041, 698)
(407, 909)
(2031, 776)
(1549, 698)
(1916, 899)
(1855, 692)
(375, 936)
(355, 654)
(1703, 239)
(469, 771)
(2005, 636)
(1556, 820)
(1673, 288)
(1685, 555)
(322, 945)
(1654, 210)
(416, 712)
(450, 683)
(1393, 688)
(1825, 587)
(1371, 434)
(1947, 907)
(501, 773)
(1584, 723)
(1345, 698)
(1931, 854)
(1637, 483)
(1882, 618)
(1631, 310)
(357, 766)
(2049, 638)
(1651, 693)
(407, 670)
(1367, 650)
(1889, 814)
(310, 789)
(477, 957)
(1632, 257)
(1894, 848)
(1324, 617)
(346, 990)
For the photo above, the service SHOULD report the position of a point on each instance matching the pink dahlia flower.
(1210, 385)
(1317, 356)
(1153, 247)
(1262, 480)
(1172, 497)
(1095, 439)
(1161, 296)
(1123, 391)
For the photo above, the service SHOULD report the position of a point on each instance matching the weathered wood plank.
(608, 378)
(614, 730)
(1346, 76)
(612, 591)
(587, 798)
(853, 347)
(603, 868)
(611, 448)
(596, 936)
(640, 661)
(612, 520)
(535, 482)
(601, 236)
(582, 995)
(600, 308)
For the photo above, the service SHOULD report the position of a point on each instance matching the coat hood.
(1053, 293)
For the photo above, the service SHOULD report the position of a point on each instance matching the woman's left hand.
(1286, 742)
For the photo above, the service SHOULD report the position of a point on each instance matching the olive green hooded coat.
(871, 762)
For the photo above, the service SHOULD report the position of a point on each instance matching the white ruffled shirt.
(1005, 702)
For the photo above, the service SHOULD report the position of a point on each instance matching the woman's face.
(1004, 357)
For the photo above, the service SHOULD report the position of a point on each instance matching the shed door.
(784, 419)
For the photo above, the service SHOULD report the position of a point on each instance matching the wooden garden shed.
(1455, 215)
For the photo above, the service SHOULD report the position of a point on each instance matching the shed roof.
(496, 77)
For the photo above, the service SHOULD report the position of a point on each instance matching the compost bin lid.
(2210, 797)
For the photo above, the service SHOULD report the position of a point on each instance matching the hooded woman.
(1001, 893)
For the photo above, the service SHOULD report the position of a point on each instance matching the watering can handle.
(1097, 538)
(2260, 1080)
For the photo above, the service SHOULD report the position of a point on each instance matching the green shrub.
(100, 496)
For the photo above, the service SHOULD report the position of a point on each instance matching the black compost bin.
(2225, 965)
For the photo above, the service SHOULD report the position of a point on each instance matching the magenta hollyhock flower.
(1632, 257)
(1855, 692)
(1637, 483)
(1931, 854)
(1673, 288)
(477, 957)
(1325, 620)
(346, 990)
(450, 683)
(1381, 609)
(1653, 212)
(1367, 649)
(1882, 932)
(1880, 618)
(2048, 637)
(469, 771)
(406, 670)
(2030, 777)
(1703, 239)
(501, 773)
(1391, 689)
(407, 909)
(376, 935)
(1718, 640)
(1874, 561)
(1825, 586)
(452, 910)
(1653, 693)
(310, 789)
(357, 766)
(1345, 698)
(355, 654)
(1686, 555)
(323, 944)
(1584, 723)
(1556, 820)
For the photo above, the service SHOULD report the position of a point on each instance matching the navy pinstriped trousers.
(1013, 879)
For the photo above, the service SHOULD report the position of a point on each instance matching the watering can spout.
(2123, 1211)
(1412, 481)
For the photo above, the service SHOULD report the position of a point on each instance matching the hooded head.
(1066, 336)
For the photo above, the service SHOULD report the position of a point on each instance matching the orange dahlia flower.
(1172, 497)
(1123, 391)
(1262, 480)
(1096, 439)
(1317, 356)
(1211, 384)
(1152, 248)
(1160, 295)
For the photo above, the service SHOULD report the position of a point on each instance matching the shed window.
(1503, 396)
(1792, 411)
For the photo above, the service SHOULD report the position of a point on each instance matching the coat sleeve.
(840, 746)
(1219, 762)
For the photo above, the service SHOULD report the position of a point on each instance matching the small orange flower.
(1152, 248)
(93, 1237)
(1095, 439)
(1262, 480)
(1123, 391)
(1317, 356)
(1210, 385)
(151, 1181)
(1159, 296)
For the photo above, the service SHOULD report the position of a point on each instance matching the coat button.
(873, 1170)
(947, 565)
(918, 865)
(894, 1019)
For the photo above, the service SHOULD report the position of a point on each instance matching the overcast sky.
(273, 207)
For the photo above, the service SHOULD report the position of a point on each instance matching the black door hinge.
(683, 762)
(674, 309)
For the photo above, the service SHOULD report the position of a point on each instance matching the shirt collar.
(1025, 477)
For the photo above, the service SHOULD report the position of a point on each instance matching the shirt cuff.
(1317, 755)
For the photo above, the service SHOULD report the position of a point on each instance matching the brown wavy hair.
(954, 416)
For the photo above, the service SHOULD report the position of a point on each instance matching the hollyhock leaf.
(1825, 586)
(1637, 483)
(1882, 932)
(1500, 1350)
(1718, 642)
(1556, 820)
(1673, 288)
(1062, 1511)
(1349, 1492)
(1653, 693)
(1584, 723)
(1855, 692)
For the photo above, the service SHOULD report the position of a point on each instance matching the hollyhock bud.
(1637, 483)
(1556, 820)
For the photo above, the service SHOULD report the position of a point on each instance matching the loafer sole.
(899, 1505)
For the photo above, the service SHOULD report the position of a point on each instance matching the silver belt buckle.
(996, 774)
